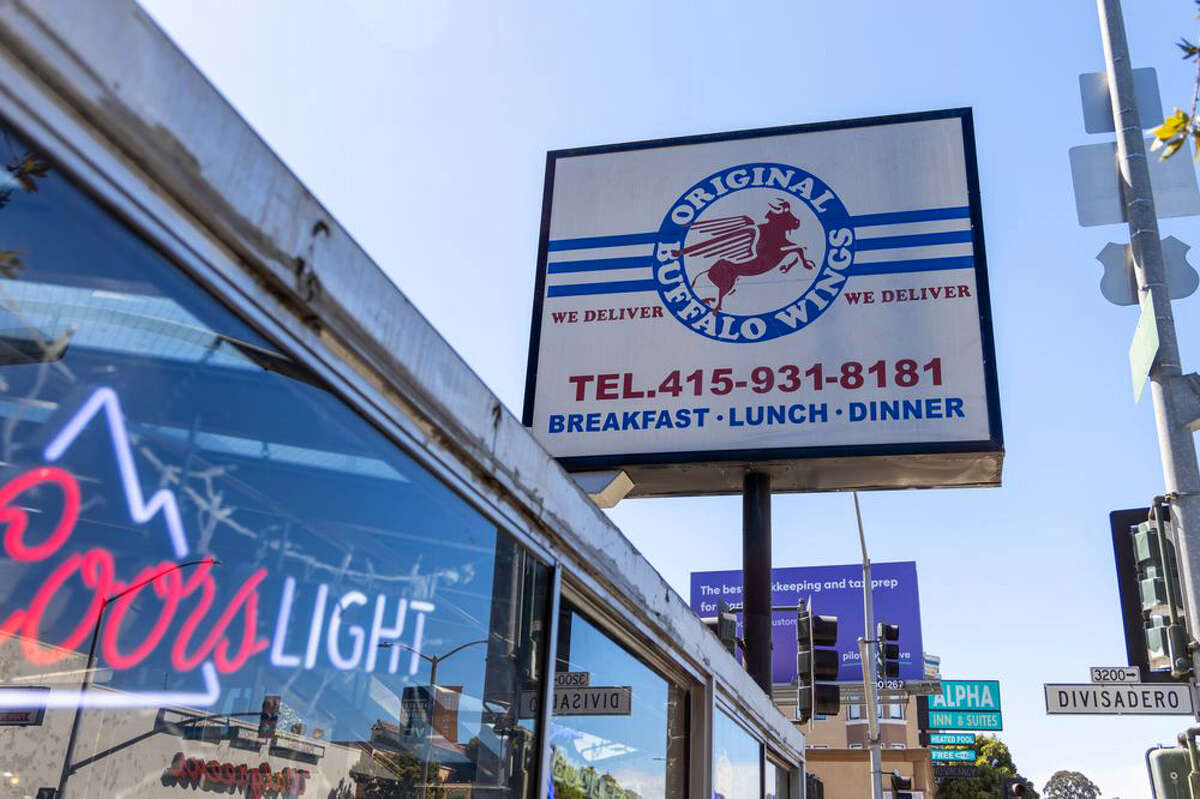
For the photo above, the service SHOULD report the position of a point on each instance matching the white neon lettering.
(378, 633)
(356, 632)
(314, 627)
(141, 511)
(421, 608)
(281, 626)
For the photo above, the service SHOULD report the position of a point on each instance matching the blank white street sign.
(1151, 699)
(1097, 107)
(1098, 197)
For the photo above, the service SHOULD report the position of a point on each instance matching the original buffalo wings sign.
(809, 300)
(308, 628)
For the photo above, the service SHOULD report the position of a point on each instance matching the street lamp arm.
(462, 647)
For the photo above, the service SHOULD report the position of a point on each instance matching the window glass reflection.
(736, 760)
(246, 587)
(618, 728)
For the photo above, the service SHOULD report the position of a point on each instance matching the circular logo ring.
(737, 247)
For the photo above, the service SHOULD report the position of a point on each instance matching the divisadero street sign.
(758, 297)
(1149, 699)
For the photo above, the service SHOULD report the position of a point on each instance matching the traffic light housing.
(725, 626)
(1160, 595)
(268, 717)
(901, 786)
(817, 665)
(888, 651)
(1016, 786)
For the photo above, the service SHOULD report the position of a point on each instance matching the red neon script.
(95, 569)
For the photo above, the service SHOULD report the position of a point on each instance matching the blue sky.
(423, 128)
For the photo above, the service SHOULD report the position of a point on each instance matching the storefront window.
(618, 729)
(215, 575)
(775, 779)
(737, 760)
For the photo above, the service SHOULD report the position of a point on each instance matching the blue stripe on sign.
(564, 267)
(601, 241)
(915, 240)
(617, 287)
(919, 265)
(898, 217)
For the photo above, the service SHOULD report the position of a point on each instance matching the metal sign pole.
(756, 576)
(1177, 450)
(866, 648)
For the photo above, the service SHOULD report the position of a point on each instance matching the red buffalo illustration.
(743, 248)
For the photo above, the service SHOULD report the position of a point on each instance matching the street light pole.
(1176, 447)
(91, 662)
(433, 660)
(866, 650)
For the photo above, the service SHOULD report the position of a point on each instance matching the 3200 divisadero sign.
(811, 300)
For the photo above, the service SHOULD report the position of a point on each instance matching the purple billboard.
(834, 591)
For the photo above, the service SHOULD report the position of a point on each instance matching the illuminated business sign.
(804, 295)
(257, 781)
(344, 630)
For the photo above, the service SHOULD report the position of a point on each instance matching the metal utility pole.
(756, 576)
(1176, 447)
(866, 650)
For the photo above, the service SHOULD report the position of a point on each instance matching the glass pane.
(736, 760)
(775, 779)
(618, 729)
(245, 586)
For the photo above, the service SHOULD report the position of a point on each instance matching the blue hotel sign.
(964, 705)
(967, 695)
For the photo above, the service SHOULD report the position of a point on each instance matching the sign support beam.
(1178, 452)
(756, 576)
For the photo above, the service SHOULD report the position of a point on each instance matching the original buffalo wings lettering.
(216, 776)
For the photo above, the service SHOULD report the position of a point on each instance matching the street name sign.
(1120, 675)
(1157, 699)
(1144, 347)
(595, 700)
(709, 303)
(953, 755)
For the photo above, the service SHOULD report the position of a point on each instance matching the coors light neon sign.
(212, 639)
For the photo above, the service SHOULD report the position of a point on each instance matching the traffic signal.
(816, 665)
(1160, 595)
(888, 650)
(725, 626)
(268, 717)
(901, 786)
(1016, 786)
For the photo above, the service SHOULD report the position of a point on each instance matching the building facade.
(264, 533)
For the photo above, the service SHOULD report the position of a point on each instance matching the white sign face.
(800, 293)
(1120, 675)
(596, 700)
(1150, 699)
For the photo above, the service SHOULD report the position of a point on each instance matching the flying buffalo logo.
(753, 252)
